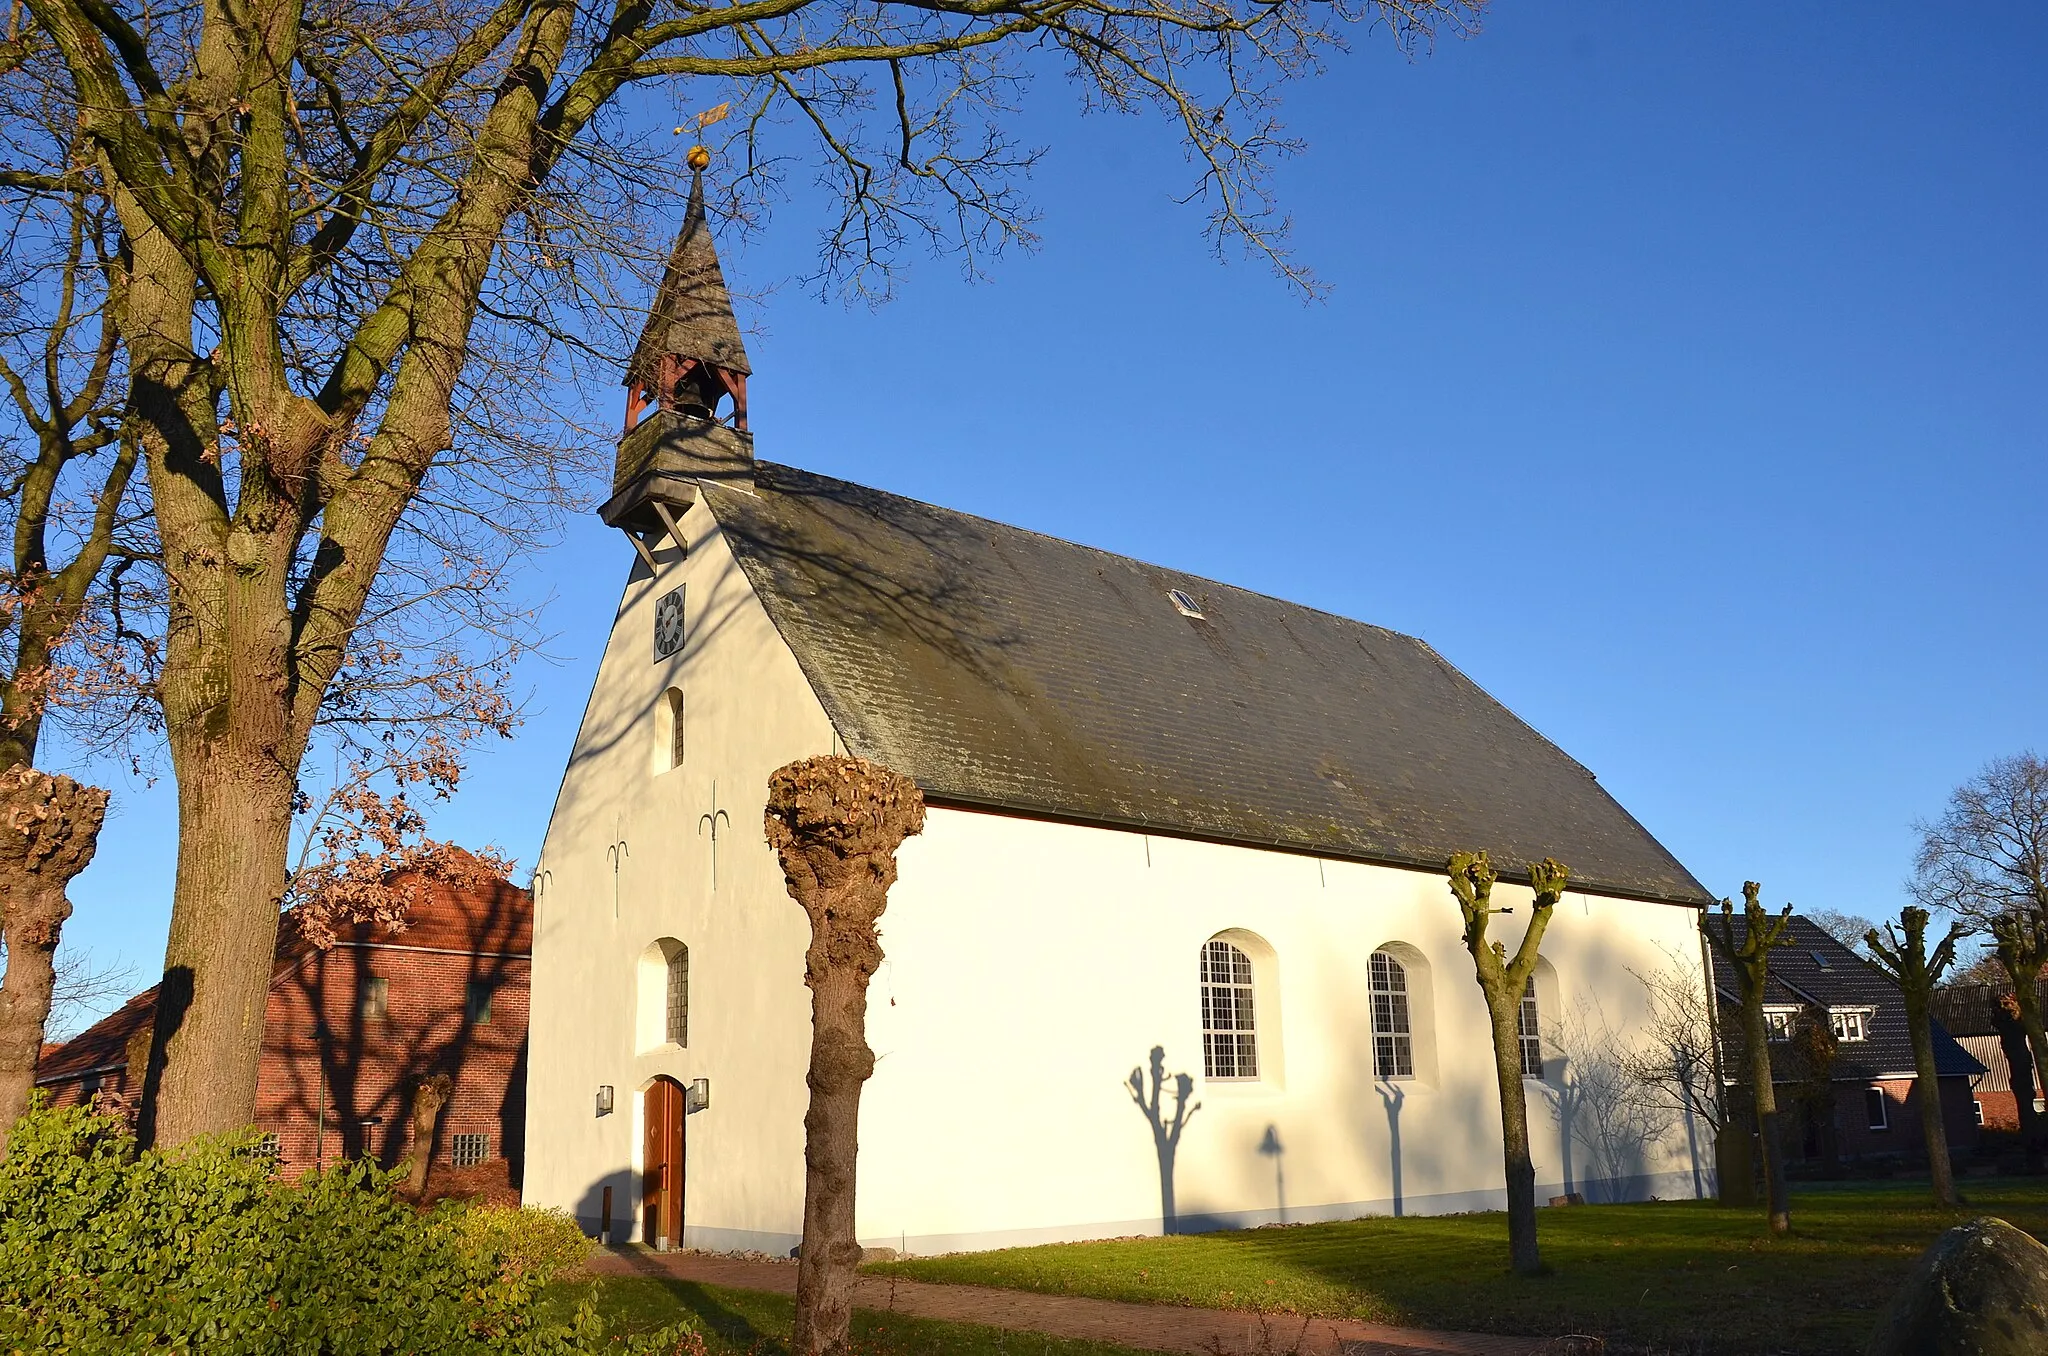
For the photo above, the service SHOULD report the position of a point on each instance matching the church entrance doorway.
(661, 1193)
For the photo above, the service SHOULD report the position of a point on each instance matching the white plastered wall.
(1032, 967)
(746, 711)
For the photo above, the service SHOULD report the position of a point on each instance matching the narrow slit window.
(674, 699)
(1393, 1041)
(1879, 1112)
(1532, 1033)
(1230, 1044)
(679, 997)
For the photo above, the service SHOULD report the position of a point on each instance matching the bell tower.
(686, 390)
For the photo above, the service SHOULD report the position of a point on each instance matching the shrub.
(206, 1248)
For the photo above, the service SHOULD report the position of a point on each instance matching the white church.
(1165, 815)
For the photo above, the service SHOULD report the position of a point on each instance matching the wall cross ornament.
(618, 852)
(711, 820)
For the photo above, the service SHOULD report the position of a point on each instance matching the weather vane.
(699, 155)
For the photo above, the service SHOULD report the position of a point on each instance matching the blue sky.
(1682, 381)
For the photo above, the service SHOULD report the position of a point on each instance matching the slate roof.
(1813, 968)
(1001, 668)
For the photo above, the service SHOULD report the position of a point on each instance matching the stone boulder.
(1980, 1290)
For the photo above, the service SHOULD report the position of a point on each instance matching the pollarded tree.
(49, 827)
(836, 823)
(1986, 860)
(364, 237)
(1750, 957)
(1504, 982)
(1901, 952)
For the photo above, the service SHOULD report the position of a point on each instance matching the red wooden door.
(661, 1192)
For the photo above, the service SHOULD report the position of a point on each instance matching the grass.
(1679, 1276)
(751, 1323)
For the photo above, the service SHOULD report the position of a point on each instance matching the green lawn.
(1685, 1276)
(750, 1323)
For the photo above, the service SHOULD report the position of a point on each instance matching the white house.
(1165, 813)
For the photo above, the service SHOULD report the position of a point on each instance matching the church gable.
(1009, 670)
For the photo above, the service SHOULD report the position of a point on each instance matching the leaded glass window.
(1393, 1040)
(1532, 1033)
(1230, 1044)
(679, 996)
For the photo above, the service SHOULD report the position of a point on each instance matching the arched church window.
(1393, 1038)
(679, 996)
(1230, 1046)
(1532, 1033)
(668, 733)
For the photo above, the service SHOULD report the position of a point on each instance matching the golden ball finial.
(698, 158)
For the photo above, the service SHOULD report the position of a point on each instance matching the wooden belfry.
(689, 363)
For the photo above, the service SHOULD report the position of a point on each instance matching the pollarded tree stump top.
(49, 824)
(830, 811)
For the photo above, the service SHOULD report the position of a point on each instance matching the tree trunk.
(1506, 1011)
(1763, 1093)
(1932, 1130)
(49, 828)
(2026, 997)
(234, 822)
(836, 823)
(2019, 1060)
(427, 1101)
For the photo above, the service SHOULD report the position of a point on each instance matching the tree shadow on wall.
(1392, 1095)
(1166, 1128)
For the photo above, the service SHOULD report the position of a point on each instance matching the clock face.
(668, 623)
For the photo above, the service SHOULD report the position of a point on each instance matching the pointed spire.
(692, 315)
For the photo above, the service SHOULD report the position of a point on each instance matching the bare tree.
(1847, 928)
(1600, 1105)
(363, 237)
(1673, 1063)
(836, 823)
(81, 990)
(1749, 957)
(49, 827)
(1503, 982)
(1901, 952)
(1985, 860)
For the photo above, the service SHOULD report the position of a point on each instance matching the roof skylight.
(1184, 603)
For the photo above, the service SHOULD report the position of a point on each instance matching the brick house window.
(1878, 1112)
(270, 1145)
(1977, 1109)
(679, 997)
(469, 1150)
(373, 1001)
(478, 1002)
(1850, 1024)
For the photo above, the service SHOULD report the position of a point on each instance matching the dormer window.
(1778, 1023)
(1850, 1024)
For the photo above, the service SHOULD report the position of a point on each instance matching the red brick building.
(351, 1031)
(1865, 1105)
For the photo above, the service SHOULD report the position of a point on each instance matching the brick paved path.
(1152, 1327)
